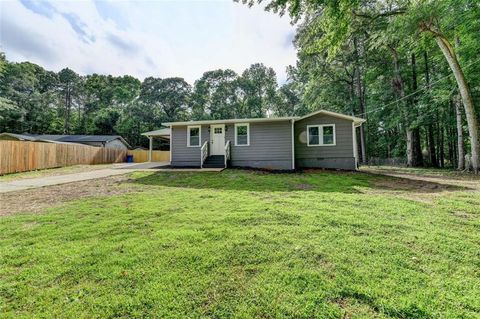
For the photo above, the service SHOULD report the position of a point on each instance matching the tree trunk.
(417, 148)
(361, 100)
(66, 115)
(460, 143)
(409, 147)
(399, 86)
(465, 93)
(431, 149)
(430, 133)
(458, 116)
(417, 157)
(442, 146)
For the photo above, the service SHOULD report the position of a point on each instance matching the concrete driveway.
(118, 169)
(23, 184)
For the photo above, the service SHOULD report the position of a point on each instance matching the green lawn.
(243, 244)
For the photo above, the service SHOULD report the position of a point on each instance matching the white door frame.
(219, 147)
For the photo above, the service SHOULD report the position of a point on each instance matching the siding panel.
(270, 146)
(182, 155)
(338, 156)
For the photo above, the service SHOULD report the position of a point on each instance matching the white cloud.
(160, 39)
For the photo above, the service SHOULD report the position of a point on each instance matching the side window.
(313, 135)
(321, 135)
(328, 135)
(193, 136)
(242, 134)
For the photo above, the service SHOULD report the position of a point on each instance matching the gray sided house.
(321, 139)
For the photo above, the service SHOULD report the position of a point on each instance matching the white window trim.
(320, 136)
(248, 133)
(199, 135)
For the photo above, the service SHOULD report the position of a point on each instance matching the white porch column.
(150, 146)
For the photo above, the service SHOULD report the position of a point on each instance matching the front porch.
(215, 160)
(216, 148)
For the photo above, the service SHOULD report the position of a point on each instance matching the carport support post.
(150, 146)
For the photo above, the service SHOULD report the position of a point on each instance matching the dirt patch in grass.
(423, 188)
(35, 200)
(407, 184)
(303, 186)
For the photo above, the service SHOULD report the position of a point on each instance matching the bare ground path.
(35, 200)
(422, 185)
(442, 177)
(33, 191)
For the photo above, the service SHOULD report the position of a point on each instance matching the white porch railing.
(227, 153)
(203, 153)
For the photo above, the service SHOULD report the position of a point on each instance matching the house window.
(242, 134)
(217, 130)
(193, 136)
(321, 135)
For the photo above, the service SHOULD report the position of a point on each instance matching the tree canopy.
(34, 100)
(410, 67)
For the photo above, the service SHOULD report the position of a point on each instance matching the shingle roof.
(77, 138)
(355, 119)
(25, 137)
(67, 138)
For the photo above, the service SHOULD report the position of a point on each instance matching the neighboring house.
(321, 139)
(110, 141)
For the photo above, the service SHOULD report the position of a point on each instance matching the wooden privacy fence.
(141, 156)
(16, 156)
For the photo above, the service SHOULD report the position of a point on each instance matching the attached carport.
(162, 134)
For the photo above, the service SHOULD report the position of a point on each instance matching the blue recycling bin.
(129, 158)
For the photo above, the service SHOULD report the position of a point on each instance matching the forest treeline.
(34, 100)
(411, 68)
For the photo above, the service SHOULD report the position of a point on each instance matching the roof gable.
(356, 120)
(231, 121)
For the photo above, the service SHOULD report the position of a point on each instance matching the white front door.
(217, 139)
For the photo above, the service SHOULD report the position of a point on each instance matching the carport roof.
(162, 133)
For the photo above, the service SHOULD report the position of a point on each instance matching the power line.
(417, 91)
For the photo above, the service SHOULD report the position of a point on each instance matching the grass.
(243, 244)
(52, 172)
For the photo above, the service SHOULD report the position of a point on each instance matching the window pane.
(241, 130)
(194, 140)
(328, 130)
(328, 135)
(242, 140)
(194, 131)
(242, 134)
(328, 139)
(313, 140)
(313, 136)
(218, 130)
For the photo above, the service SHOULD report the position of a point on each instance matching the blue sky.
(145, 38)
